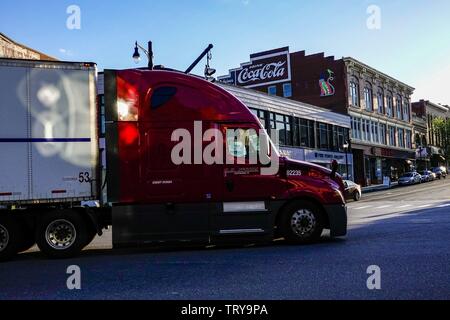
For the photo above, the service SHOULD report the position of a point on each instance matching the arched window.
(354, 92)
(368, 96)
(399, 107)
(390, 104)
(380, 100)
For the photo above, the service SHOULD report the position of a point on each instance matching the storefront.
(381, 162)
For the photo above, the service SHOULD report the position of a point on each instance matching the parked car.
(410, 178)
(428, 176)
(352, 190)
(441, 172)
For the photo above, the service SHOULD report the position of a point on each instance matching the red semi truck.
(162, 129)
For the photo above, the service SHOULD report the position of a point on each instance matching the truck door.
(248, 193)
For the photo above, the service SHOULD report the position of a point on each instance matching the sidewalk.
(378, 187)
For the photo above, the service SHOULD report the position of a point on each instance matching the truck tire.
(10, 237)
(61, 234)
(302, 222)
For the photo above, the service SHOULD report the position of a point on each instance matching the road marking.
(383, 207)
(405, 206)
(360, 208)
(424, 206)
(444, 205)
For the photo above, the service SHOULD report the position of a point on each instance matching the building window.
(406, 112)
(390, 105)
(272, 90)
(307, 133)
(283, 126)
(383, 134)
(323, 136)
(375, 137)
(354, 92)
(261, 115)
(368, 96)
(380, 100)
(401, 138)
(392, 136)
(399, 107)
(408, 139)
(287, 90)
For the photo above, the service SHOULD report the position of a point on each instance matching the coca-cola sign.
(264, 68)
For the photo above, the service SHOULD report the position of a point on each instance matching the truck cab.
(188, 161)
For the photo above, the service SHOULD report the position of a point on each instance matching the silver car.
(410, 178)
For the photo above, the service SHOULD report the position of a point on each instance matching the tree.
(442, 127)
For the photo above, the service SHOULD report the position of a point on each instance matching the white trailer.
(48, 132)
(49, 153)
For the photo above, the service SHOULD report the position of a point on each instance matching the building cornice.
(377, 74)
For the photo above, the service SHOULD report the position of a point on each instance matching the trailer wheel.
(61, 234)
(302, 222)
(10, 237)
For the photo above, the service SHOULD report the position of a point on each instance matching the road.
(404, 231)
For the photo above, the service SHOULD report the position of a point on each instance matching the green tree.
(442, 127)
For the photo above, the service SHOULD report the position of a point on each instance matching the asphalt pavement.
(403, 232)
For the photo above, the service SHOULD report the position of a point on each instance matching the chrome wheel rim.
(303, 223)
(4, 238)
(60, 234)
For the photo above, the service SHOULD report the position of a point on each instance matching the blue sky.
(412, 45)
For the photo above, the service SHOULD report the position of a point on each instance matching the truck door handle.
(229, 184)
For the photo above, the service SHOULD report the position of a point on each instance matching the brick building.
(11, 49)
(433, 144)
(379, 105)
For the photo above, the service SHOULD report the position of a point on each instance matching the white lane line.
(444, 205)
(360, 208)
(424, 206)
(405, 206)
(383, 207)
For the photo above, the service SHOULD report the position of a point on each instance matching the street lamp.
(148, 52)
(346, 147)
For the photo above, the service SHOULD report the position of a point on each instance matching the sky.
(408, 39)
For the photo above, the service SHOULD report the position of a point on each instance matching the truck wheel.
(302, 222)
(10, 237)
(61, 234)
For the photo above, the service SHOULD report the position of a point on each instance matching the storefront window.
(307, 133)
(261, 115)
(283, 126)
(323, 136)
